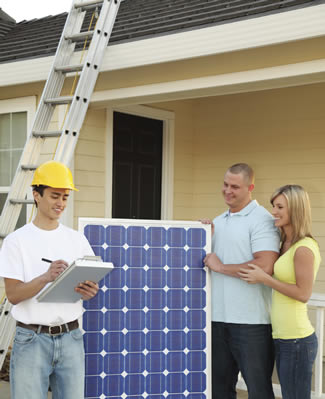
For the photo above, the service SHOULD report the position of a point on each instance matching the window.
(15, 121)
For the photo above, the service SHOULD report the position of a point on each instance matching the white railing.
(317, 302)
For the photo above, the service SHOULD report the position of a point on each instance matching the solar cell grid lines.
(147, 331)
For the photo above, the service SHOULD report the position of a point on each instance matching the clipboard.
(90, 268)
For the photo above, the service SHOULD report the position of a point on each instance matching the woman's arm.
(304, 271)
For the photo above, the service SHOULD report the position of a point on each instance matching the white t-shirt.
(20, 259)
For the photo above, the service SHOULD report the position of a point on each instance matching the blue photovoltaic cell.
(146, 330)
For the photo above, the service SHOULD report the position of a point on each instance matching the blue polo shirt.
(236, 238)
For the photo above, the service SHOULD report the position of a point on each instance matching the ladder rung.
(89, 3)
(80, 36)
(69, 68)
(19, 201)
(59, 100)
(28, 167)
(54, 133)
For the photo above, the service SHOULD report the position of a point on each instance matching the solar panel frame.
(147, 333)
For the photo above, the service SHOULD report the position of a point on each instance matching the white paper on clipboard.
(89, 268)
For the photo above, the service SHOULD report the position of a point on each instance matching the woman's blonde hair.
(299, 211)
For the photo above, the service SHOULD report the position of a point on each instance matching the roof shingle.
(137, 19)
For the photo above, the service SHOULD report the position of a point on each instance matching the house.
(218, 81)
(187, 88)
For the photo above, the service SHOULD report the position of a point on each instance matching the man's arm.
(18, 291)
(264, 259)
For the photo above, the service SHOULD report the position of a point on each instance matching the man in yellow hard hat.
(48, 345)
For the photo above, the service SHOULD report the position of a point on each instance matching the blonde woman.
(292, 282)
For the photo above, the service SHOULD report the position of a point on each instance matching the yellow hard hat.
(53, 174)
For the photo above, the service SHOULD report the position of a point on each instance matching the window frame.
(21, 104)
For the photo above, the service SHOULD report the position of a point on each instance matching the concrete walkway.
(5, 391)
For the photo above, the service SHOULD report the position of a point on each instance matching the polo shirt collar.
(245, 211)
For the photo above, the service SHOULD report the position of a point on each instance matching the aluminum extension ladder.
(67, 137)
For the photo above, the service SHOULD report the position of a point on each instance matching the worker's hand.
(213, 262)
(87, 289)
(208, 221)
(55, 269)
(252, 274)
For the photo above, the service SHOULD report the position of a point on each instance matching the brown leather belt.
(52, 330)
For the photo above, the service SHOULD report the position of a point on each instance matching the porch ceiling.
(263, 79)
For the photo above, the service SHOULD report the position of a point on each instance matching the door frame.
(167, 178)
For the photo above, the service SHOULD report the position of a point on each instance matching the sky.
(29, 9)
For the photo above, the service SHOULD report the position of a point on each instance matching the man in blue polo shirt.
(241, 329)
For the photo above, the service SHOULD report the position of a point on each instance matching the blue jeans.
(41, 360)
(294, 363)
(247, 348)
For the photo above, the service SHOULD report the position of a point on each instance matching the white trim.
(287, 26)
(167, 185)
(109, 163)
(21, 104)
(283, 27)
(237, 82)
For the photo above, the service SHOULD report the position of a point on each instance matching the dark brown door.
(137, 163)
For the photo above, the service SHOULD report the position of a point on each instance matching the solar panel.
(147, 332)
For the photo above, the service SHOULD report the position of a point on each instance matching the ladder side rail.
(55, 80)
(87, 80)
(5, 319)
(80, 103)
(9, 330)
(5, 310)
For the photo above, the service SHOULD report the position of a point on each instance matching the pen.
(46, 260)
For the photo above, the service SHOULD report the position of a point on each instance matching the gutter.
(289, 26)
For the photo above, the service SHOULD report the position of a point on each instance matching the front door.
(137, 166)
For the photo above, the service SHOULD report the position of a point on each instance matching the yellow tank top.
(288, 316)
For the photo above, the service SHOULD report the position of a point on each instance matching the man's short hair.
(245, 169)
(39, 189)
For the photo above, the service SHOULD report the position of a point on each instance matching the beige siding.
(89, 167)
(279, 132)
(183, 158)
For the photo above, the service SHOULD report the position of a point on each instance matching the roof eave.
(299, 24)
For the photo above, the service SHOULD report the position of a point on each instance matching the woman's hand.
(253, 274)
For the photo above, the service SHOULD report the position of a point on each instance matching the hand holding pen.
(55, 269)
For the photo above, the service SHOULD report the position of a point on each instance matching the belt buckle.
(52, 333)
